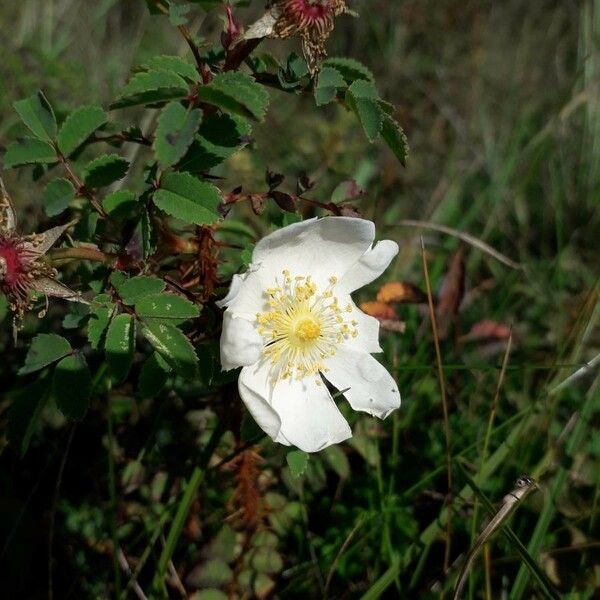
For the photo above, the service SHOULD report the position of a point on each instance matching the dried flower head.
(22, 267)
(311, 20)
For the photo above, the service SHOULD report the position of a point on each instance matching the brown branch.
(240, 53)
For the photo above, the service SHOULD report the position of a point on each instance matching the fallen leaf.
(379, 310)
(401, 291)
(488, 330)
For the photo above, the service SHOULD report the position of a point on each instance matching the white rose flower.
(290, 321)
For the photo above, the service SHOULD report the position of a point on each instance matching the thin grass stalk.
(486, 445)
(442, 383)
(185, 504)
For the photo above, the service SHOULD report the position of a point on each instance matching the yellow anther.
(302, 326)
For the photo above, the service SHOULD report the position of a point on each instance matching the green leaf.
(209, 594)
(3, 307)
(329, 82)
(236, 92)
(144, 232)
(177, 14)
(100, 316)
(104, 170)
(350, 69)
(267, 560)
(363, 100)
(297, 462)
(77, 316)
(79, 126)
(151, 87)
(175, 132)
(220, 136)
(175, 64)
(295, 69)
(166, 306)
(337, 460)
(120, 346)
(28, 151)
(395, 138)
(119, 203)
(153, 376)
(185, 197)
(173, 346)
(57, 196)
(45, 349)
(38, 115)
(72, 386)
(134, 289)
(24, 412)
(214, 572)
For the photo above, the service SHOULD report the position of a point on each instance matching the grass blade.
(184, 507)
(545, 583)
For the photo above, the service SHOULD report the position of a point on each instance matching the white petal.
(234, 289)
(310, 419)
(367, 339)
(308, 416)
(370, 266)
(241, 345)
(371, 388)
(248, 298)
(318, 247)
(254, 387)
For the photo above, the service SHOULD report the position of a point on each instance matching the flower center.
(303, 327)
(307, 329)
(12, 265)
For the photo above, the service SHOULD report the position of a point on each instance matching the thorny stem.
(234, 198)
(79, 185)
(202, 67)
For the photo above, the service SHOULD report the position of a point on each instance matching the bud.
(232, 30)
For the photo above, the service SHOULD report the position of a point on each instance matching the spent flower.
(311, 20)
(23, 269)
(290, 322)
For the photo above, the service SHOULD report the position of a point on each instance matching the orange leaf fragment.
(379, 310)
(401, 291)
